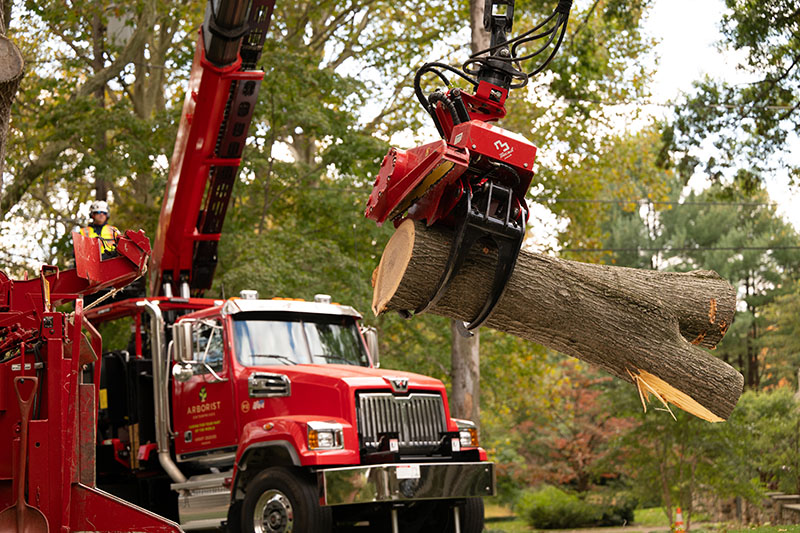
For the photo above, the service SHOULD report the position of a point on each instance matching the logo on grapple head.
(504, 149)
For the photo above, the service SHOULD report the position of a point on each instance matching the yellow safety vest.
(108, 236)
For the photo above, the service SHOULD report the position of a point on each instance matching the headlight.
(467, 433)
(325, 436)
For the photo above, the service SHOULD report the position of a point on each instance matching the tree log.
(11, 70)
(642, 326)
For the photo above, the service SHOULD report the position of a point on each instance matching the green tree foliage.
(740, 236)
(736, 233)
(772, 423)
(746, 124)
(571, 444)
(687, 459)
(781, 338)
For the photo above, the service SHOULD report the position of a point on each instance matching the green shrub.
(618, 509)
(551, 508)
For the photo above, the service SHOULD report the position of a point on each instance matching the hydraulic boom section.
(219, 105)
(476, 177)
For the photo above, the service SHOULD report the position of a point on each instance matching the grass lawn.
(500, 519)
(766, 529)
(653, 516)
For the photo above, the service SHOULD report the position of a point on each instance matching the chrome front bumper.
(404, 482)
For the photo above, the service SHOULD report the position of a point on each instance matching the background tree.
(745, 125)
(781, 338)
(738, 234)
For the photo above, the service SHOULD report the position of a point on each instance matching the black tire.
(234, 522)
(279, 500)
(471, 516)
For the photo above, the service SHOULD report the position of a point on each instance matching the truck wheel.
(282, 500)
(471, 516)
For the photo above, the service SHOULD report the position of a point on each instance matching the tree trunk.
(465, 373)
(11, 70)
(642, 326)
(101, 184)
(465, 353)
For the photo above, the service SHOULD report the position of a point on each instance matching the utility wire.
(674, 104)
(643, 201)
(684, 249)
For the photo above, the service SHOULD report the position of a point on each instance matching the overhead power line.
(684, 249)
(644, 201)
(742, 107)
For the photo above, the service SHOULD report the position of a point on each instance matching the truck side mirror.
(371, 337)
(182, 337)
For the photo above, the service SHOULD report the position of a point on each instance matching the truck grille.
(418, 418)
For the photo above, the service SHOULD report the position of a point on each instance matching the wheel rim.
(273, 513)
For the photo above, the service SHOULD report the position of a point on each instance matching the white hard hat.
(99, 206)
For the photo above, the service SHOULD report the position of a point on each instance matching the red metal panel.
(94, 510)
(38, 454)
(88, 434)
(87, 257)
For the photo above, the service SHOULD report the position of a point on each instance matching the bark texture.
(465, 374)
(465, 352)
(11, 71)
(642, 326)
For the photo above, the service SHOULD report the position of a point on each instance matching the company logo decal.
(245, 406)
(398, 384)
(203, 407)
(504, 149)
(203, 394)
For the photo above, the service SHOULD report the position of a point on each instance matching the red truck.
(270, 415)
(267, 415)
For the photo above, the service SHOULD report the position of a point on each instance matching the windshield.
(268, 339)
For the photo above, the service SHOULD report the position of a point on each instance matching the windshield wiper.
(285, 359)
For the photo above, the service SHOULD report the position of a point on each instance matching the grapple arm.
(476, 177)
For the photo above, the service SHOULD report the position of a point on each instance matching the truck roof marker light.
(248, 294)
(322, 298)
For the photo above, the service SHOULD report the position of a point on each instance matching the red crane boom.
(217, 111)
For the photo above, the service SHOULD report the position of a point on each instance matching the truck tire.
(471, 516)
(283, 500)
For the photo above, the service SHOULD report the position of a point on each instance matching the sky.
(688, 31)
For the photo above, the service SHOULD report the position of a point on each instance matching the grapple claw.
(492, 213)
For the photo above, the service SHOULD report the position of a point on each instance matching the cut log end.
(11, 63)
(394, 262)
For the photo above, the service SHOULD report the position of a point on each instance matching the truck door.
(202, 406)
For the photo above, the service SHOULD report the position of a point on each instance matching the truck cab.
(273, 415)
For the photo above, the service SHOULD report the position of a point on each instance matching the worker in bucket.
(101, 230)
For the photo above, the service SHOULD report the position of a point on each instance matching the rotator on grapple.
(475, 178)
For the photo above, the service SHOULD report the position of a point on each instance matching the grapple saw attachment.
(475, 178)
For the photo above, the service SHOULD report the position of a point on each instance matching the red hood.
(330, 390)
(356, 377)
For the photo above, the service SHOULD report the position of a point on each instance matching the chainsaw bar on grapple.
(476, 177)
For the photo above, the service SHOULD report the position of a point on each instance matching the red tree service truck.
(268, 415)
